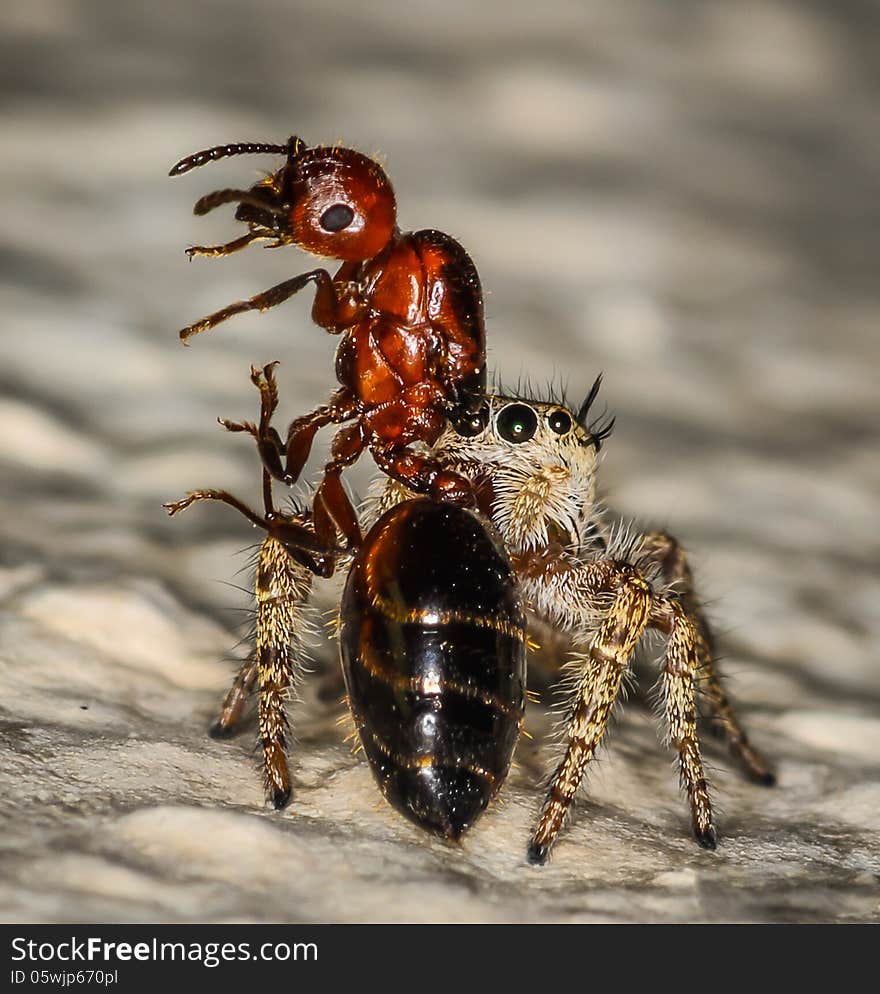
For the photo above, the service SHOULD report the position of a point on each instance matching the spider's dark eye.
(560, 422)
(470, 425)
(517, 423)
(337, 217)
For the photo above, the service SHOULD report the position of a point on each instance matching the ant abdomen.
(434, 661)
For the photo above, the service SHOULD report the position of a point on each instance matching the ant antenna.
(293, 148)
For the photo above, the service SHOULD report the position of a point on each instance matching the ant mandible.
(408, 306)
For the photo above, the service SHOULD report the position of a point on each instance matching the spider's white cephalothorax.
(541, 465)
(534, 461)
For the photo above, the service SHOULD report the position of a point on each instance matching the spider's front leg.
(670, 557)
(576, 592)
(288, 558)
(680, 677)
(282, 587)
(604, 660)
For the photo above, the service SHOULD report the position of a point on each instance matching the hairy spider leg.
(667, 552)
(604, 662)
(288, 558)
(601, 664)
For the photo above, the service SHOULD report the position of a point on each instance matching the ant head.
(341, 203)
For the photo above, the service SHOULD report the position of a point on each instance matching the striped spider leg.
(288, 558)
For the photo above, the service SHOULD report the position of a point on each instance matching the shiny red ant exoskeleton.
(408, 305)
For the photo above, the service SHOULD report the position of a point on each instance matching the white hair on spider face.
(540, 460)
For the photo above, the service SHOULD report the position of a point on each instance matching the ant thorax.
(534, 466)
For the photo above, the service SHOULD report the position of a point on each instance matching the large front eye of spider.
(336, 218)
(516, 423)
(559, 421)
(471, 425)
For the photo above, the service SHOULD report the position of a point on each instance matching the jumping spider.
(533, 467)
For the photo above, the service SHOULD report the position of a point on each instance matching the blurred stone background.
(684, 195)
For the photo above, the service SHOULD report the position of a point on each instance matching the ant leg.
(286, 463)
(284, 528)
(269, 443)
(666, 551)
(194, 496)
(211, 201)
(334, 308)
(424, 475)
(214, 251)
(235, 700)
(332, 507)
(260, 302)
(301, 433)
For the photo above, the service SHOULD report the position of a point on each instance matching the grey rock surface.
(682, 195)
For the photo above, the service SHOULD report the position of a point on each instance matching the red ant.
(408, 306)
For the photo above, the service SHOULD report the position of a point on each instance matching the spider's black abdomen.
(433, 650)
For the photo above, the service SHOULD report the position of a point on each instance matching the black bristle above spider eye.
(600, 432)
(517, 423)
(584, 409)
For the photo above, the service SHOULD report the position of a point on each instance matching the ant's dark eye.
(517, 423)
(337, 217)
(470, 425)
(560, 422)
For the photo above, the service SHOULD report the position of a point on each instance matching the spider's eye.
(470, 425)
(517, 423)
(337, 217)
(560, 422)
